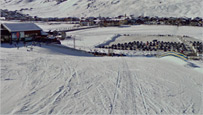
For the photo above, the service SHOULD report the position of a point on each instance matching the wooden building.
(19, 31)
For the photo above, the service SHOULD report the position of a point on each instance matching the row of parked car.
(156, 46)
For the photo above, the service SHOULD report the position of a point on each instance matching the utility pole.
(74, 41)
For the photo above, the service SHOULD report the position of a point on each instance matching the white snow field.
(86, 8)
(88, 39)
(58, 80)
(51, 80)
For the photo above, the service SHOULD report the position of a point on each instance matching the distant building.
(87, 22)
(113, 22)
(106, 23)
(19, 31)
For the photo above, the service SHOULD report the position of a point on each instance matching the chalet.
(19, 31)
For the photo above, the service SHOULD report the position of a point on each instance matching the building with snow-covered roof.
(19, 31)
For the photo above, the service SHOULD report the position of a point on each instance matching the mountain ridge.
(107, 8)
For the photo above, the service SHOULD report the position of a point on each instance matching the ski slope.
(52, 80)
(58, 80)
(107, 8)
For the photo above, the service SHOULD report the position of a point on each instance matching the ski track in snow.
(139, 85)
(45, 81)
(127, 96)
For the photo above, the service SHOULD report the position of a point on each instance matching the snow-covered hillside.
(59, 80)
(79, 8)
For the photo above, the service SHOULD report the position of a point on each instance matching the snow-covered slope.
(50, 80)
(79, 8)
(58, 80)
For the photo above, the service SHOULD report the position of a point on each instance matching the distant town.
(106, 21)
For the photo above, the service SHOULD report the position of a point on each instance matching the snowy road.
(46, 81)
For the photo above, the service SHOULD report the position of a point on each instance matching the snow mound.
(184, 63)
(174, 60)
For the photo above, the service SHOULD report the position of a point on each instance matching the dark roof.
(18, 27)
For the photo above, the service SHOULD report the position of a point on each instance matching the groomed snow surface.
(59, 80)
